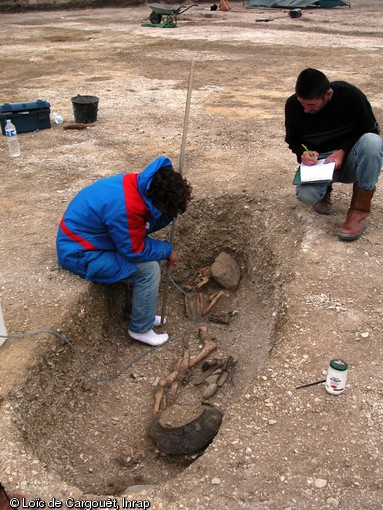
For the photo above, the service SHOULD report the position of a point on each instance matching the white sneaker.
(157, 321)
(150, 337)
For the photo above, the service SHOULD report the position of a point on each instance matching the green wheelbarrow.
(169, 12)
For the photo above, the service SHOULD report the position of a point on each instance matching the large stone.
(226, 271)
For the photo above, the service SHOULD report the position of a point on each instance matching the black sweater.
(344, 119)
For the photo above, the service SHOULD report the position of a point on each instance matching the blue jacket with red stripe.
(104, 231)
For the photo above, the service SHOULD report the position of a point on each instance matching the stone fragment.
(320, 483)
(210, 390)
(226, 271)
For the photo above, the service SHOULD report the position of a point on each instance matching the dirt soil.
(75, 411)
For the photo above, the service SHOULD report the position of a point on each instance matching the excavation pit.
(88, 420)
(275, 442)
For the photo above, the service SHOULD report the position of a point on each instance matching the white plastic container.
(3, 329)
(12, 141)
(336, 376)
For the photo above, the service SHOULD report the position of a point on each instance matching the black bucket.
(85, 108)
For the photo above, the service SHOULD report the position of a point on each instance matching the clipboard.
(297, 181)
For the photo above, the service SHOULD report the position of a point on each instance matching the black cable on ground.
(130, 364)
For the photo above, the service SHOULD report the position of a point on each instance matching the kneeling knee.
(304, 195)
(371, 143)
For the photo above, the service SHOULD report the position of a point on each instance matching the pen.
(310, 384)
(308, 152)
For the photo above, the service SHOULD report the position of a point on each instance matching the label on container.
(336, 377)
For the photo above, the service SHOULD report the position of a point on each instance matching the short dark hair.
(169, 191)
(311, 84)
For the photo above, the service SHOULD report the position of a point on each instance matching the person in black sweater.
(335, 122)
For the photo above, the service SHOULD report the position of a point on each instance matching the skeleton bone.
(181, 371)
(194, 305)
(173, 380)
(158, 396)
(213, 302)
(204, 273)
(209, 347)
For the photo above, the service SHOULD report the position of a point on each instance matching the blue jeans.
(146, 281)
(362, 166)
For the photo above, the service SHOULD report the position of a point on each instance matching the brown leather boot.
(356, 220)
(324, 206)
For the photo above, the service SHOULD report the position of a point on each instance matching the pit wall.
(266, 259)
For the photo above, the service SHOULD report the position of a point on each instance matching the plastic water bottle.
(57, 117)
(13, 143)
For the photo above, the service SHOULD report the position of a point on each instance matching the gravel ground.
(303, 299)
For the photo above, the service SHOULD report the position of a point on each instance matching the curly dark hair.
(169, 191)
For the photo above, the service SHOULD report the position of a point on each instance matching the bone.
(173, 380)
(158, 396)
(205, 274)
(194, 305)
(213, 302)
(181, 371)
(209, 347)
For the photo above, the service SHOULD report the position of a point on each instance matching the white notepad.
(321, 171)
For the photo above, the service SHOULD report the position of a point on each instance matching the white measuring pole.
(3, 329)
(181, 164)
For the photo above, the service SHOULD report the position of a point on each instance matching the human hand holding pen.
(309, 157)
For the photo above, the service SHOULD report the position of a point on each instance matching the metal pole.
(180, 169)
(186, 121)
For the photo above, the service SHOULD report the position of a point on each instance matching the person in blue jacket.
(104, 236)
